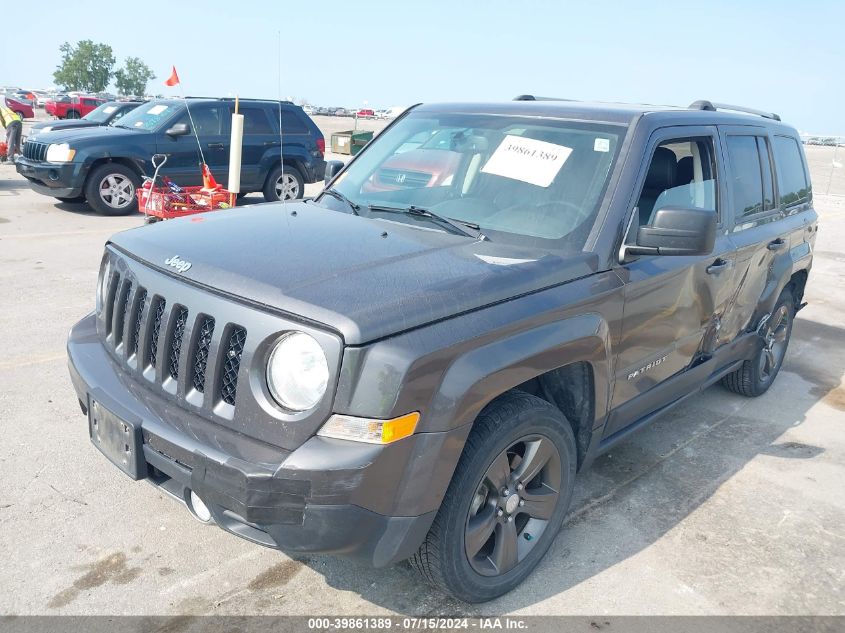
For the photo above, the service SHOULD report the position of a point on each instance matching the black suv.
(417, 363)
(105, 165)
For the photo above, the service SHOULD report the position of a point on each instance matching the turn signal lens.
(347, 427)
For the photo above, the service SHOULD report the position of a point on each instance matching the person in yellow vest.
(11, 121)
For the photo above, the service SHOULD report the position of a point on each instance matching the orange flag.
(173, 80)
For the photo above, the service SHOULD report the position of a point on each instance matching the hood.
(65, 124)
(80, 135)
(340, 270)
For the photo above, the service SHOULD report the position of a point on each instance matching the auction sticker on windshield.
(527, 159)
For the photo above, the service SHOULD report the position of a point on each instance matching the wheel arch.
(126, 162)
(290, 161)
(579, 345)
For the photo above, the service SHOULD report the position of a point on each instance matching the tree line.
(90, 67)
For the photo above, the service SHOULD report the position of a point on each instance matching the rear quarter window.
(292, 123)
(793, 187)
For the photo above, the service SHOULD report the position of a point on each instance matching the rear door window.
(751, 174)
(792, 179)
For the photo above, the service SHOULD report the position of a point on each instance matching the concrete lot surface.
(727, 505)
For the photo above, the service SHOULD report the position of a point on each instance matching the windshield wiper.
(458, 226)
(334, 193)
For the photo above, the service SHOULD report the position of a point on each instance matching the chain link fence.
(826, 159)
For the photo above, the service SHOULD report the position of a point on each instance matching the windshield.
(147, 117)
(102, 113)
(522, 180)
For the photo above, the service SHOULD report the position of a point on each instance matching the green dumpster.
(350, 141)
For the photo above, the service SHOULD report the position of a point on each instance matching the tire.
(294, 181)
(72, 114)
(110, 189)
(757, 374)
(75, 200)
(20, 114)
(512, 426)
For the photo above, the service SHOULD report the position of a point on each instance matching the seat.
(662, 173)
(685, 171)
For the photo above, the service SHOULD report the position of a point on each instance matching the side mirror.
(179, 129)
(677, 231)
(332, 169)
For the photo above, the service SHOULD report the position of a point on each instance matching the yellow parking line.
(31, 360)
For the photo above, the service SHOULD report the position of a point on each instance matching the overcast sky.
(788, 57)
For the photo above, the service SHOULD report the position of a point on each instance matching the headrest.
(662, 171)
(685, 171)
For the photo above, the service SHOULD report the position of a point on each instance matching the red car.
(25, 111)
(72, 107)
(366, 114)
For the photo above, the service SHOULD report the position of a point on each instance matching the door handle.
(216, 146)
(718, 266)
(777, 245)
(271, 143)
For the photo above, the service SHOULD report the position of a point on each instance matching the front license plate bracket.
(118, 439)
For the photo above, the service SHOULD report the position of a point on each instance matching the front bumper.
(308, 500)
(60, 180)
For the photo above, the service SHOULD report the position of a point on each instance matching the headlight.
(103, 283)
(60, 153)
(297, 372)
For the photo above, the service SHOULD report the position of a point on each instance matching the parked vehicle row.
(361, 113)
(105, 164)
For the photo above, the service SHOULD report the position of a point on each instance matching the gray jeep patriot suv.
(416, 364)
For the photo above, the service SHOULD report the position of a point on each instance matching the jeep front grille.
(33, 150)
(201, 353)
(155, 331)
(120, 311)
(176, 340)
(234, 351)
(141, 302)
(140, 324)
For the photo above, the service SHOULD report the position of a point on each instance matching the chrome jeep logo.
(180, 265)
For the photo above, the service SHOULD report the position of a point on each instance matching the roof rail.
(713, 107)
(533, 98)
(239, 99)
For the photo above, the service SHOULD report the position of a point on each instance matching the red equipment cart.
(171, 201)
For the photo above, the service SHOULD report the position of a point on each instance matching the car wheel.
(75, 200)
(20, 114)
(72, 114)
(110, 189)
(284, 183)
(506, 501)
(757, 374)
